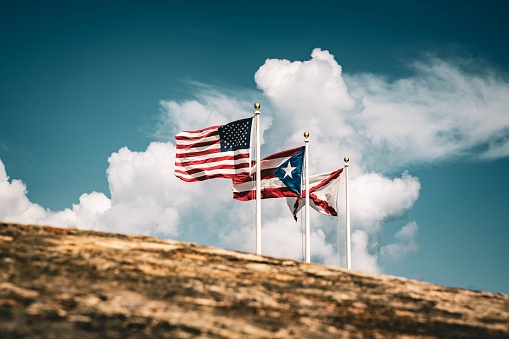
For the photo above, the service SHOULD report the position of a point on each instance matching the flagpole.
(338, 233)
(306, 173)
(348, 248)
(258, 230)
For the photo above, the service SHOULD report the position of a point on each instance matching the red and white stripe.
(244, 187)
(199, 156)
(323, 194)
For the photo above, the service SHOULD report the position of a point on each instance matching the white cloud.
(375, 198)
(405, 243)
(309, 96)
(441, 111)
(14, 204)
(362, 259)
(314, 96)
(282, 81)
(86, 214)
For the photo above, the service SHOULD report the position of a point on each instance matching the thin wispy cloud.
(442, 111)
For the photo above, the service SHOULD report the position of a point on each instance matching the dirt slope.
(68, 283)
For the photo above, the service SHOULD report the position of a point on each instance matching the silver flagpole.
(338, 231)
(258, 231)
(306, 173)
(348, 249)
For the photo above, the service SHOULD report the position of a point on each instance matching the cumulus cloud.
(362, 257)
(14, 204)
(382, 125)
(310, 96)
(313, 95)
(375, 198)
(86, 214)
(405, 243)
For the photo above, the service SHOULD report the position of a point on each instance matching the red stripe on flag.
(192, 170)
(266, 193)
(197, 136)
(199, 144)
(323, 204)
(204, 177)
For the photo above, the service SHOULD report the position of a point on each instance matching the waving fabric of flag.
(214, 152)
(281, 175)
(323, 194)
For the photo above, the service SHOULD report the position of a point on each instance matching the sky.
(415, 93)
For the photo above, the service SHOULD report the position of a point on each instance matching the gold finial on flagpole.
(257, 106)
(346, 159)
(306, 135)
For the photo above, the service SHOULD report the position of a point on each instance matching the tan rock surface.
(68, 283)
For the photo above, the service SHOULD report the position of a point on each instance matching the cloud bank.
(439, 112)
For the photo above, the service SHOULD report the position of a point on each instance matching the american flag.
(277, 180)
(214, 152)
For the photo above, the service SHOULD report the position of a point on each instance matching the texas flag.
(281, 176)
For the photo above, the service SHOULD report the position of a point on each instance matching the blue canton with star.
(235, 135)
(290, 171)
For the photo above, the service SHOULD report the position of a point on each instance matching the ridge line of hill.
(69, 283)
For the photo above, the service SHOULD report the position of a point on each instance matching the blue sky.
(416, 93)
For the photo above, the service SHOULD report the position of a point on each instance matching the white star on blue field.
(92, 93)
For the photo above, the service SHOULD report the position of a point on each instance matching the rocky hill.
(68, 283)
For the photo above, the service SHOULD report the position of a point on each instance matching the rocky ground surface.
(68, 283)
